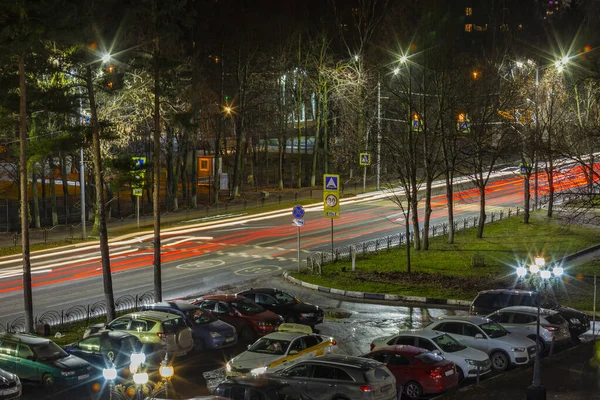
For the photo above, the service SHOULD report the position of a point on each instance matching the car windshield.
(555, 319)
(286, 298)
(131, 345)
(493, 329)
(48, 351)
(270, 346)
(200, 317)
(247, 307)
(448, 344)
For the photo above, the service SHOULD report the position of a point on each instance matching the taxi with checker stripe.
(277, 350)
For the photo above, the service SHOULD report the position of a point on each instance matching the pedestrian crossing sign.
(331, 196)
(417, 126)
(365, 159)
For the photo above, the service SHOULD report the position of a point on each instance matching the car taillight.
(372, 346)
(161, 335)
(365, 388)
(550, 328)
(435, 373)
(334, 342)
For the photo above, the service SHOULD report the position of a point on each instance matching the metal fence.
(79, 313)
(316, 261)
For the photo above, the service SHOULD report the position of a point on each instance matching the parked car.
(523, 321)
(276, 350)
(258, 389)
(417, 370)
(160, 333)
(340, 377)
(505, 349)
(288, 306)
(248, 318)
(488, 301)
(40, 360)
(10, 386)
(207, 330)
(466, 359)
(107, 349)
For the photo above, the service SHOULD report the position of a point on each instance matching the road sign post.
(298, 213)
(331, 202)
(137, 184)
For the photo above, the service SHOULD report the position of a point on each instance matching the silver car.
(505, 349)
(337, 376)
(523, 321)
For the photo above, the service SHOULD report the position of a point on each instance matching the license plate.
(449, 372)
(82, 377)
(230, 339)
(9, 391)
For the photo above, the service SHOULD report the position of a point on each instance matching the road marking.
(253, 271)
(201, 264)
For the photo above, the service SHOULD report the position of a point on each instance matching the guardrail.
(79, 313)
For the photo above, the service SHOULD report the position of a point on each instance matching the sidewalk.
(566, 376)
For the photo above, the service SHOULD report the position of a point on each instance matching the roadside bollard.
(478, 373)
(551, 348)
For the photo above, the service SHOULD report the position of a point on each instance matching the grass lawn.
(447, 271)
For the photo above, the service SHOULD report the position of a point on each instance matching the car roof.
(475, 319)
(117, 335)
(262, 290)
(528, 310)
(158, 316)
(177, 305)
(285, 335)
(509, 291)
(222, 297)
(26, 338)
(402, 349)
(348, 361)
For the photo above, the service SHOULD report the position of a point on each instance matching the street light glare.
(540, 261)
(396, 71)
(403, 59)
(109, 373)
(228, 110)
(140, 378)
(564, 60)
(356, 57)
(545, 274)
(521, 271)
(558, 271)
(534, 269)
(106, 58)
(519, 64)
(166, 371)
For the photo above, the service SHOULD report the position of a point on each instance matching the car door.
(327, 382)
(474, 337)
(89, 350)
(27, 364)
(224, 312)
(8, 356)
(269, 303)
(523, 324)
(297, 377)
(401, 368)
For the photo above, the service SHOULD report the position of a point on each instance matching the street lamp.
(166, 372)
(110, 374)
(140, 379)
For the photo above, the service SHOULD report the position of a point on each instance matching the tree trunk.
(450, 205)
(100, 207)
(526, 198)
(315, 156)
(482, 215)
(34, 190)
(156, 183)
(407, 233)
(65, 185)
(550, 173)
(415, 214)
(427, 216)
(53, 191)
(24, 183)
(237, 166)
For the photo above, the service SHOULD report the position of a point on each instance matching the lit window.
(520, 26)
(468, 27)
(468, 11)
(478, 27)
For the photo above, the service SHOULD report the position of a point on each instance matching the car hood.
(251, 360)
(301, 307)
(220, 326)
(267, 316)
(569, 313)
(468, 354)
(69, 362)
(6, 377)
(515, 340)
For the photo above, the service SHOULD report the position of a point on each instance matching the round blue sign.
(298, 212)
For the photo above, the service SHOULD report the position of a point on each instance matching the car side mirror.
(479, 336)
(293, 352)
(249, 346)
(439, 353)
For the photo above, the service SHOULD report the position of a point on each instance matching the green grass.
(447, 271)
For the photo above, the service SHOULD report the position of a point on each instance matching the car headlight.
(470, 362)
(16, 378)
(215, 334)
(258, 371)
(228, 367)
(518, 349)
(307, 315)
(575, 321)
(67, 373)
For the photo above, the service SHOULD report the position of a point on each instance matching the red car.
(418, 371)
(249, 319)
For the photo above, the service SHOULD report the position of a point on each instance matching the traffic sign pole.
(298, 248)
(138, 210)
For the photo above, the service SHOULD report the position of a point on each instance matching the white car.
(466, 359)
(504, 348)
(523, 321)
(277, 350)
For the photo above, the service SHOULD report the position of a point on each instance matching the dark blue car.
(207, 330)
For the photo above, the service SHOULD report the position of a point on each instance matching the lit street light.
(110, 374)
(166, 371)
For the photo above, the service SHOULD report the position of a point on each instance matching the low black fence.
(79, 313)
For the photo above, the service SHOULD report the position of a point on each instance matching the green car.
(40, 360)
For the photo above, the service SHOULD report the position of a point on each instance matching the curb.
(377, 296)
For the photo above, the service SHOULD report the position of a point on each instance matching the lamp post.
(166, 372)
(140, 379)
(538, 274)
(110, 375)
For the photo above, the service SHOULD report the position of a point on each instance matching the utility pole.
(378, 133)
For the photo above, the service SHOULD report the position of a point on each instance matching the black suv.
(488, 301)
(289, 307)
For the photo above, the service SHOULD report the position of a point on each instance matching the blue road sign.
(331, 183)
(298, 212)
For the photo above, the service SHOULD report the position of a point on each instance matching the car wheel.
(199, 344)
(48, 381)
(500, 361)
(290, 320)
(247, 334)
(413, 390)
